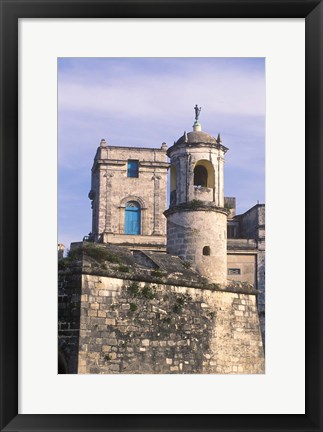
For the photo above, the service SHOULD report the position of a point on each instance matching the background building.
(246, 251)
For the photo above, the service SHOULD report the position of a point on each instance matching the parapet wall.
(112, 325)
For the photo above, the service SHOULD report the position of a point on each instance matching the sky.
(143, 102)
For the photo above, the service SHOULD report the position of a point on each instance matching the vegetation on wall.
(90, 250)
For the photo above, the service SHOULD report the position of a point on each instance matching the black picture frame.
(11, 11)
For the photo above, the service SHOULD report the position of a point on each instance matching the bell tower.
(196, 217)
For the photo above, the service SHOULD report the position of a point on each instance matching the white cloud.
(156, 95)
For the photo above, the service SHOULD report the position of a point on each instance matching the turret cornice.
(196, 205)
(178, 147)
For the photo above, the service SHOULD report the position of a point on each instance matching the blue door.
(132, 218)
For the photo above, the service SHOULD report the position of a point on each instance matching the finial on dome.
(219, 140)
(196, 126)
(197, 112)
(185, 137)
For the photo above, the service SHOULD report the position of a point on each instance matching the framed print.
(145, 338)
(130, 210)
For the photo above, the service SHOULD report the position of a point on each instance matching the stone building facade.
(128, 194)
(246, 251)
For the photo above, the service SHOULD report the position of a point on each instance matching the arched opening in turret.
(200, 176)
(172, 185)
(204, 174)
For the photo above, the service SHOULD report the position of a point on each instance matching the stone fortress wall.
(117, 325)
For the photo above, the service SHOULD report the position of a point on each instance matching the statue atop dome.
(197, 112)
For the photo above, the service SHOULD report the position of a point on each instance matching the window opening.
(133, 168)
(231, 231)
(206, 250)
(234, 271)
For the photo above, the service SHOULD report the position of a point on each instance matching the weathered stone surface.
(105, 260)
(198, 330)
(206, 229)
(246, 252)
(112, 188)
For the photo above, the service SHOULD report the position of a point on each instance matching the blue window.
(132, 218)
(132, 168)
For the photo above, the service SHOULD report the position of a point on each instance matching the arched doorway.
(132, 218)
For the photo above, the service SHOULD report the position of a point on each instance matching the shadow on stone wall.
(69, 301)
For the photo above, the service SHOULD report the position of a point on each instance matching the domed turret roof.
(196, 137)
